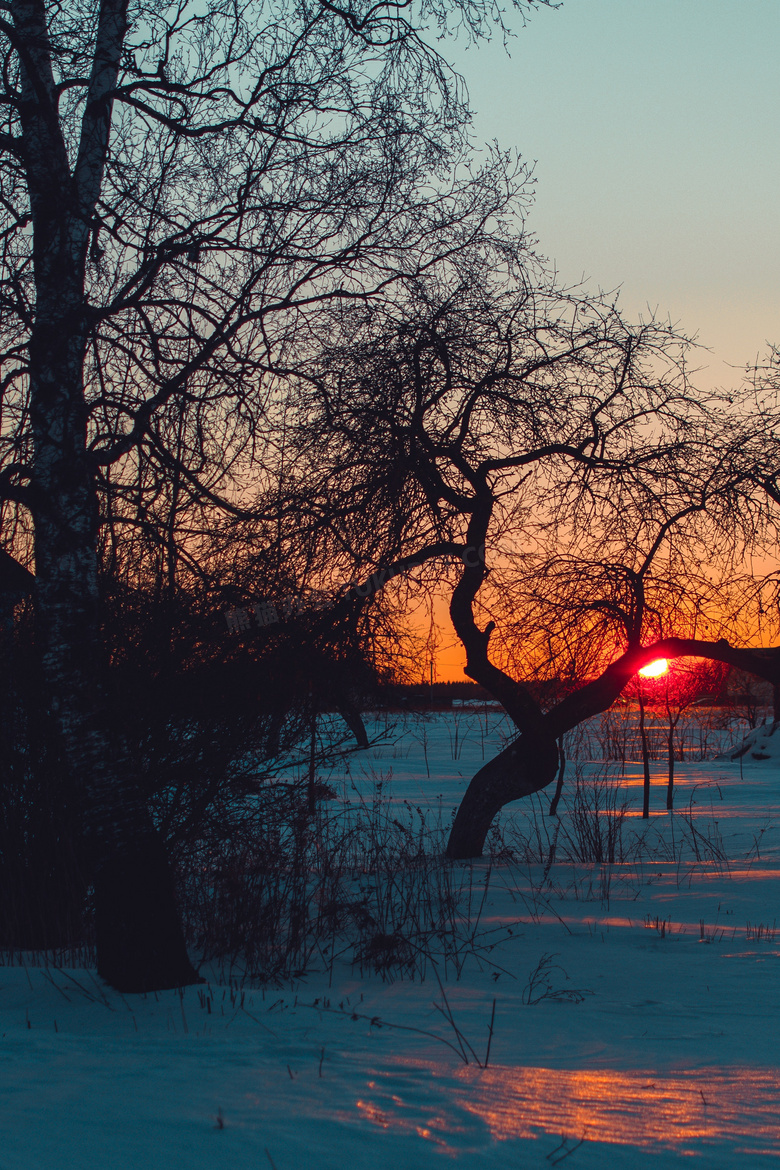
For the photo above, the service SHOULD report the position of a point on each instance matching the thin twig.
(490, 1035)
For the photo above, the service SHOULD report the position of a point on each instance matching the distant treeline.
(738, 688)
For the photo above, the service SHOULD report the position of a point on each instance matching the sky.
(654, 129)
(654, 126)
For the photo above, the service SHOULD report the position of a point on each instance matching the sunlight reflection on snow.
(685, 1110)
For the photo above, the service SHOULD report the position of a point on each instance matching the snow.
(760, 744)
(654, 1045)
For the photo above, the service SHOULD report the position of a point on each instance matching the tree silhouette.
(184, 187)
(531, 429)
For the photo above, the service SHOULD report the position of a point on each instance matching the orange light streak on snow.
(436, 1130)
(655, 669)
(683, 1109)
(633, 1108)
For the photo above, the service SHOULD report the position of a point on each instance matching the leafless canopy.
(229, 169)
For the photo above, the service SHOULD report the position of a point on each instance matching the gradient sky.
(655, 129)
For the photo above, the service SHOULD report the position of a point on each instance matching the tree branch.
(599, 694)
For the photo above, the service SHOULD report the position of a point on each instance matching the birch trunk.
(140, 943)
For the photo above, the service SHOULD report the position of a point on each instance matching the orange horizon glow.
(655, 669)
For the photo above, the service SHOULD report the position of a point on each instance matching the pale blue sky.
(655, 126)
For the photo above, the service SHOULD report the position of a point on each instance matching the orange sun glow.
(655, 669)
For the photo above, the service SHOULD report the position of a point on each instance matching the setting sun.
(655, 669)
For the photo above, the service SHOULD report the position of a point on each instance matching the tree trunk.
(140, 944)
(645, 760)
(670, 758)
(553, 810)
(528, 764)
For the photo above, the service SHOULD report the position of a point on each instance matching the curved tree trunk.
(531, 761)
(528, 764)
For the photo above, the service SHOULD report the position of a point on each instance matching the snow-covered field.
(636, 1017)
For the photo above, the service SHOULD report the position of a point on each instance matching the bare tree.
(490, 426)
(182, 188)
